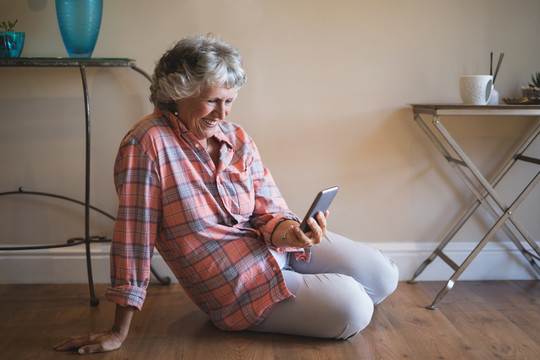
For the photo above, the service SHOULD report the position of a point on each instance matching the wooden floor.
(476, 320)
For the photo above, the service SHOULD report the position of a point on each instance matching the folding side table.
(82, 64)
(483, 189)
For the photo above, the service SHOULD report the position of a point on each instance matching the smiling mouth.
(210, 123)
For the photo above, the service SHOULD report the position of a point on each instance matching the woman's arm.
(105, 340)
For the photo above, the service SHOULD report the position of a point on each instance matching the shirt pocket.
(242, 194)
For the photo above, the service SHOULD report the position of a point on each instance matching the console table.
(482, 188)
(82, 64)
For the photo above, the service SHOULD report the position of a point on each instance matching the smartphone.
(321, 203)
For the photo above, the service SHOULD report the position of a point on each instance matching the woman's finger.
(303, 240)
(317, 228)
(321, 219)
(71, 344)
(91, 349)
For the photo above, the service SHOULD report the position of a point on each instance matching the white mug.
(475, 89)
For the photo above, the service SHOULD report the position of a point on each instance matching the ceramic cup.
(494, 100)
(475, 89)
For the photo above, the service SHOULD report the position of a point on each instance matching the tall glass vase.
(79, 22)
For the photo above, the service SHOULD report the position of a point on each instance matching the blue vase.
(11, 44)
(79, 22)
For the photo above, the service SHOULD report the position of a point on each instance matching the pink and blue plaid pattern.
(212, 226)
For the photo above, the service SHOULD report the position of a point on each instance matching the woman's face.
(201, 113)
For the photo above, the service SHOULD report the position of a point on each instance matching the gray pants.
(334, 293)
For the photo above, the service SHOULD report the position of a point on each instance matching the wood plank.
(485, 307)
(427, 332)
(476, 320)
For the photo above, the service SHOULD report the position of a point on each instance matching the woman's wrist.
(122, 320)
(284, 237)
(279, 238)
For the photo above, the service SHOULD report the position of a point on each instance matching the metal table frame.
(483, 189)
(82, 64)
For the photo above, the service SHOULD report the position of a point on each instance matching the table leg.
(482, 191)
(500, 222)
(94, 301)
(469, 209)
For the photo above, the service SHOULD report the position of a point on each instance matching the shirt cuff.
(126, 296)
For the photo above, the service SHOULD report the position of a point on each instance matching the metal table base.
(483, 189)
(82, 64)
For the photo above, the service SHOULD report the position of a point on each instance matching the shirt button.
(197, 145)
(274, 268)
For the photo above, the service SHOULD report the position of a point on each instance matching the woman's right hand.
(92, 343)
(101, 341)
(288, 233)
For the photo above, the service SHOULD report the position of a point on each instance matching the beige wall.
(326, 100)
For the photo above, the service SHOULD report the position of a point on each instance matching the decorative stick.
(498, 66)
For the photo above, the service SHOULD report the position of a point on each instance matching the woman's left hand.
(289, 234)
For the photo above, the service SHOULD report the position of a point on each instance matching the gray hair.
(193, 64)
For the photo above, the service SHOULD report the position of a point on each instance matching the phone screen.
(321, 203)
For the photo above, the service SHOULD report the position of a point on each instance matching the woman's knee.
(387, 275)
(325, 305)
(350, 308)
(356, 313)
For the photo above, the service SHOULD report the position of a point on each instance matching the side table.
(483, 189)
(82, 64)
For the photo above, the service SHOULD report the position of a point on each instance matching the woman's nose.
(221, 111)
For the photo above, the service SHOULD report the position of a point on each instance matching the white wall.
(326, 100)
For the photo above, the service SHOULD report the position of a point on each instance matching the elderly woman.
(192, 185)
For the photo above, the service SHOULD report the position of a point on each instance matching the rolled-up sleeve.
(136, 227)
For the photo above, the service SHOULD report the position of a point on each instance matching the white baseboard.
(497, 261)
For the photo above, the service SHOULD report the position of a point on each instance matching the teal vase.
(79, 22)
(11, 44)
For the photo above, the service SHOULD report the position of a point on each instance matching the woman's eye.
(227, 102)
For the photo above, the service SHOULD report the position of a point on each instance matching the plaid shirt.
(212, 226)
